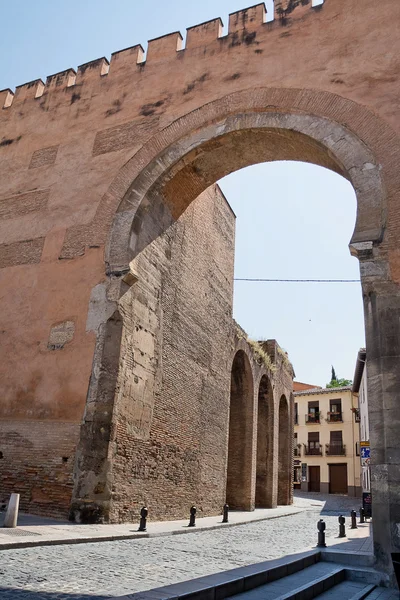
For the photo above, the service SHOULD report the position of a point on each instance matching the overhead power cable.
(299, 280)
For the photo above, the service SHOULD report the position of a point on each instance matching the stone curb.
(137, 535)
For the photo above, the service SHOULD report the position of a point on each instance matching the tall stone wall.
(172, 400)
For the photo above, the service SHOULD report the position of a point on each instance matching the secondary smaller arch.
(265, 432)
(239, 480)
(284, 450)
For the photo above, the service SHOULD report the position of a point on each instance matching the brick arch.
(265, 444)
(173, 167)
(284, 449)
(240, 446)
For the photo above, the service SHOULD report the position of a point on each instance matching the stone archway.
(187, 166)
(170, 170)
(240, 445)
(284, 449)
(265, 445)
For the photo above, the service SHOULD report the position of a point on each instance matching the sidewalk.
(37, 531)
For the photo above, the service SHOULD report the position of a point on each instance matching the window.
(296, 447)
(335, 447)
(313, 412)
(336, 438)
(335, 413)
(313, 446)
(296, 414)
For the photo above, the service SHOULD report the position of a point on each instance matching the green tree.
(335, 382)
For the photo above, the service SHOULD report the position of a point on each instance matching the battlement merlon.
(246, 21)
(249, 19)
(6, 97)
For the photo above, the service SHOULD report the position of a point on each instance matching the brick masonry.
(37, 460)
(137, 141)
(178, 363)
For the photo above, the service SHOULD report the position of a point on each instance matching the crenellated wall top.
(243, 26)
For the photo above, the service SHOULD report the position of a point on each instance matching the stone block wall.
(172, 400)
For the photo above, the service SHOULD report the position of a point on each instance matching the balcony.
(335, 417)
(312, 450)
(297, 450)
(335, 450)
(312, 418)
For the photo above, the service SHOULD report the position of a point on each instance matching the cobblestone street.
(122, 567)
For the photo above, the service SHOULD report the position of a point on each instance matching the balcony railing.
(312, 450)
(335, 450)
(335, 417)
(313, 418)
(297, 450)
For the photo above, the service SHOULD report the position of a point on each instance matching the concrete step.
(348, 590)
(356, 559)
(235, 581)
(383, 593)
(303, 585)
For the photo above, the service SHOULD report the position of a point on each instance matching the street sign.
(365, 452)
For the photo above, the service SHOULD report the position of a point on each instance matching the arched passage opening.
(162, 190)
(284, 450)
(160, 181)
(265, 420)
(239, 484)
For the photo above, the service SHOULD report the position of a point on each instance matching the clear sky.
(294, 220)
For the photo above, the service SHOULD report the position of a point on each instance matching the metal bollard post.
(321, 526)
(342, 530)
(353, 519)
(225, 513)
(192, 521)
(362, 515)
(143, 519)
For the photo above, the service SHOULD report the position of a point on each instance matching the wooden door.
(314, 479)
(338, 479)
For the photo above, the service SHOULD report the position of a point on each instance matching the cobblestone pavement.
(122, 567)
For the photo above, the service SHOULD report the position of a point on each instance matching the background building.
(326, 437)
(360, 389)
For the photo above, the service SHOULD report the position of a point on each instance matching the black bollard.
(225, 513)
(362, 515)
(342, 530)
(192, 520)
(321, 534)
(143, 519)
(353, 519)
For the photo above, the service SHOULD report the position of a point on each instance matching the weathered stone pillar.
(93, 470)
(382, 329)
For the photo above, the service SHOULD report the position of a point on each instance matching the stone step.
(348, 590)
(303, 585)
(235, 581)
